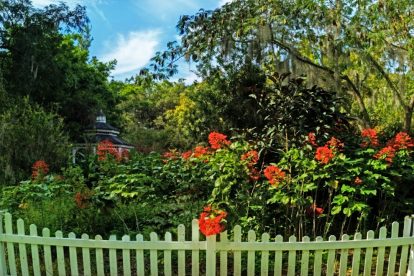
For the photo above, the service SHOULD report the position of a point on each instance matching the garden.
(300, 123)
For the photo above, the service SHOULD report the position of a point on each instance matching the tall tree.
(44, 55)
(359, 48)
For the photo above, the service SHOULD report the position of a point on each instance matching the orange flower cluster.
(401, 141)
(211, 221)
(252, 157)
(324, 154)
(274, 175)
(335, 144)
(314, 210)
(218, 140)
(387, 153)
(198, 151)
(312, 139)
(80, 200)
(39, 168)
(107, 147)
(187, 154)
(358, 181)
(369, 137)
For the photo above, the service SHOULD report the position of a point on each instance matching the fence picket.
(47, 253)
(211, 255)
(181, 253)
(100, 271)
(237, 254)
(73, 257)
(126, 259)
(356, 256)
(22, 249)
(223, 255)
(86, 257)
(317, 264)
(264, 264)
(368, 255)
(278, 257)
(404, 249)
(393, 249)
(304, 268)
(292, 258)
(113, 262)
(10, 245)
(381, 251)
(154, 256)
(251, 237)
(35, 251)
(140, 257)
(60, 255)
(343, 262)
(167, 256)
(195, 254)
(330, 266)
(410, 270)
(3, 265)
(211, 246)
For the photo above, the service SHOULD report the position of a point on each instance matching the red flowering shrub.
(402, 141)
(251, 156)
(358, 181)
(369, 137)
(335, 144)
(187, 154)
(387, 153)
(314, 210)
(80, 200)
(106, 147)
(211, 221)
(218, 140)
(312, 139)
(39, 168)
(200, 151)
(274, 175)
(324, 154)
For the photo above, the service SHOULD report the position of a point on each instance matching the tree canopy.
(360, 49)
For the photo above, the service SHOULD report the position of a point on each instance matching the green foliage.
(27, 134)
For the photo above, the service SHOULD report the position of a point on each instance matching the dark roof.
(114, 139)
(105, 126)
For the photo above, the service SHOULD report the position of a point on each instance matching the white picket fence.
(23, 253)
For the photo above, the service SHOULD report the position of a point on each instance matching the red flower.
(335, 144)
(211, 221)
(217, 140)
(387, 153)
(324, 154)
(187, 154)
(312, 139)
(274, 175)
(80, 200)
(358, 181)
(254, 174)
(106, 147)
(251, 156)
(314, 210)
(39, 168)
(200, 151)
(402, 141)
(369, 137)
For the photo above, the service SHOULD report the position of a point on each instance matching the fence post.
(3, 268)
(410, 271)
(211, 255)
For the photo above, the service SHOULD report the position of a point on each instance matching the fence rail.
(24, 253)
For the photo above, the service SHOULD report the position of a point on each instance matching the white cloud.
(42, 3)
(191, 78)
(133, 51)
(223, 2)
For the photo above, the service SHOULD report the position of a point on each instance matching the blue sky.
(131, 31)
